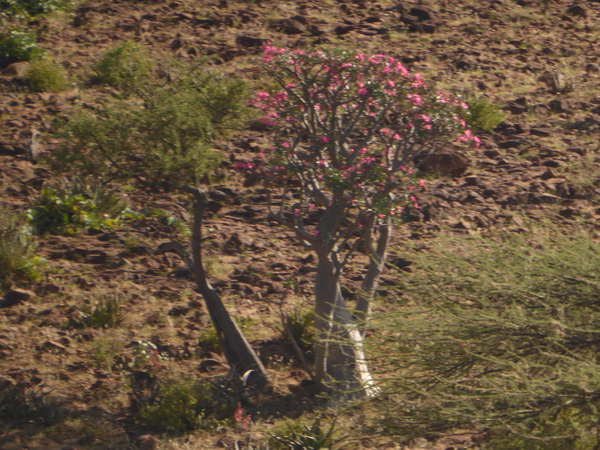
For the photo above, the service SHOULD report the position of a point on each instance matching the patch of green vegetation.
(80, 208)
(484, 115)
(161, 140)
(18, 262)
(294, 434)
(30, 8)
(44, 76)
(18, 44)
(126, 66)
(299, 326)
(106, 313)
(104, 351)
(185, 406)
(501, 334)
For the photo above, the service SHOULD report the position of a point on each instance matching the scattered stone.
(421, 19)
(17, 69)
(16, 296)
(577, 10)
(249, 41)
(445, 162)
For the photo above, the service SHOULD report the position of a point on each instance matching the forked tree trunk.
(240, 355)
(340, 364)
(377, 259)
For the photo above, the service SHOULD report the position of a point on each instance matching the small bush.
(126, 66)
(44, 76)
(62, 212)
(17, 260)
(298, 436)
(499, 335)
(106, 313)
(162, 141)
(18, 44)
(484, 115)
(185, 406)
(28, 8)
(300, 324)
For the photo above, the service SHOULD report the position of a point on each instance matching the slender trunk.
(377, 259)
(240, 356)
(340, 365)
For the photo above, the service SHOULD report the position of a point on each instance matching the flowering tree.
(348, 128)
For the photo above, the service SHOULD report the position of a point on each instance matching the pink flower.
(363, 91)
(415, 99)
(325, 139)
(422, 183)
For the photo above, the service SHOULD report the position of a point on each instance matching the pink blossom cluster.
(349, 125)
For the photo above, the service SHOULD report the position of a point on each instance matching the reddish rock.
(445, 162)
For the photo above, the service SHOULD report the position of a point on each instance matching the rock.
(249, 41)
(421, 19)
(343, 29)
(577, 10)
(445, 162)
(17, 69)
(541, 132)
(290, 26)
(558, 105)
(16, 296)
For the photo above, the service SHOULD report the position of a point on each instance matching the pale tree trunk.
(377, 259)
(240, 355)
(340, 364)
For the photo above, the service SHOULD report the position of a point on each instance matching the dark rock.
(343, 29)
(541, 132)
(445, 162)
(511, 143)
(16, 296)
(249, 41)
(421, 19)
(577, 10)
(558, 105)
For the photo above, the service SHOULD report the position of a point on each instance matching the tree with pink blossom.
(347, 129)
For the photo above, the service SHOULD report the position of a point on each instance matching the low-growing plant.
(299, 326)
(185, 406)
(498, 335)
(105, 350)
(17, 258)
(126, 67)
(45, 76)
(484, 115)
(106, 313)
(299, 436)
(81, 208)
(22, 403)
(29, 8)
(18, 44)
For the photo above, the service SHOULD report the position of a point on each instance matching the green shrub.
(106, 313)
(300, 325)
(499, 335)
(161, 141)
(17, 260)
(28, 8)
(126, 67)
(18, 44)
(45, 76)
(185, 406)
(298, 436)
(65, 212)
(484, 115)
